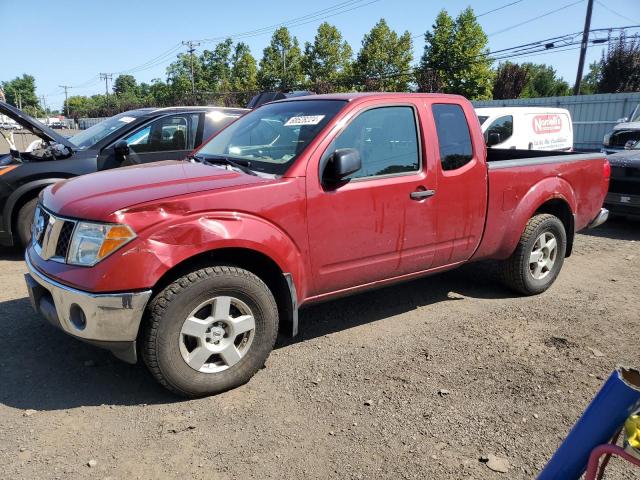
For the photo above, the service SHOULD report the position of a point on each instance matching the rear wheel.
(539, 256)
(210, 331)
(24, 221)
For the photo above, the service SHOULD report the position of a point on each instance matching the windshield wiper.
(218, 159)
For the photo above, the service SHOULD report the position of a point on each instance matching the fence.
(593, 115)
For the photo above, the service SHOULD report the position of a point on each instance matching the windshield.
(635, 116)
(93, 135)
(270, 138)
(482, 118)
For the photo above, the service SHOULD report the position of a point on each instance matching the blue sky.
(70, 42)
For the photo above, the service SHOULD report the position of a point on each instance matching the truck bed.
(519, 178)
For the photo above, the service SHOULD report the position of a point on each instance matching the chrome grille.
(51, 235)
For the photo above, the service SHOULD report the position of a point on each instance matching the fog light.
(77, 317)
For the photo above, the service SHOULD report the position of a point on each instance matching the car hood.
(34, 126)
(627, 126)
(626, 158)
(98, 195)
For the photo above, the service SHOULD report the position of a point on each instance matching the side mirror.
(121, 148)
(342, 163)
(493, 139)
(630, 144)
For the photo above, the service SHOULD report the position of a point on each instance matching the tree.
(384, 61)
(456, 54)
(543, 82)
(281, 63)
(125, 85)
(21, 92)
(216, 66)
(327, 61)
(244, 73)
(620, 67)
(590, 81)
(509, 81)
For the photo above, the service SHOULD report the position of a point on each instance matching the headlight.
(92, 242)
(606, 139)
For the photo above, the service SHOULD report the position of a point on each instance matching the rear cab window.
(454, 138)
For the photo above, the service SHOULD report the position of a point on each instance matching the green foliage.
(281, 63)
(590, 81)
(244, 73)
(543, 82)
(510, 80)
(216, 66)
(327, 61)
(620, 67)
(384, 61)
(125, 85)
(455, 57)
(21, 91)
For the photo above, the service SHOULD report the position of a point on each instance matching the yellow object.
(632, 430)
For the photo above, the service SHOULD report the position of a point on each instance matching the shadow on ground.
(616, 228)
(44, 369)
(11, 254)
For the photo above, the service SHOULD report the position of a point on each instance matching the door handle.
(422, 194)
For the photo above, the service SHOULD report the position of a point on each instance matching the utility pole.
(19, 95)
(106, 77)
(66, 98)
(43, 100)
(284, 68)
(192, 48)
(583, 47)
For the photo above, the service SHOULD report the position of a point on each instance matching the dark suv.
(137, 136)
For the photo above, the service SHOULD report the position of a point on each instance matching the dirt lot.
(414, 381)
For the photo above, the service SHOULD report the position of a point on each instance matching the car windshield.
(93, 135)
(270, 138)
(635, 116)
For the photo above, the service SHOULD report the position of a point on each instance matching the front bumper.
(108, 320)
(602, 217)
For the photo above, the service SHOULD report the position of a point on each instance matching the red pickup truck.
(197, 264)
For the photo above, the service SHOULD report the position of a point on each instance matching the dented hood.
(98, 195)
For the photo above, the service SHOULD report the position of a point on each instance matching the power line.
(613, 11)
(551, 12)
(106, 77)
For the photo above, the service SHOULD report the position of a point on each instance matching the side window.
(165, 134)
(503, 126)
(386, 139)
(453, 136)
(215, 120)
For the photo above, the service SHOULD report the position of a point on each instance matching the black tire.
(24, 221)
(516, 273)
(161, 334)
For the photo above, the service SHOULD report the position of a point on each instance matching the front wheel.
(24, 221)
(539, 256)
(210, 331)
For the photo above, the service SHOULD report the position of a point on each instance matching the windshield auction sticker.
(126, 119)
(304, 120)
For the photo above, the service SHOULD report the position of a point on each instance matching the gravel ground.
(414, 381)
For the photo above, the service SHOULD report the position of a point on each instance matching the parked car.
(624, 135)
(527, 128)
(59, 125)
(624, 189)
(137, 136)
(200, 264)
(9, 126)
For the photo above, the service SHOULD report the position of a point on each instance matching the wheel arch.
(21, 196)
(279, 282)
(559, 207)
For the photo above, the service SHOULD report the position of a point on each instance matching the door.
(171, 137)
(461, 202)
(380, 222)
